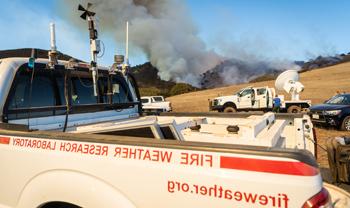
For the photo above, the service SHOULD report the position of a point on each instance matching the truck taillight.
(321, 200)
(315, 139)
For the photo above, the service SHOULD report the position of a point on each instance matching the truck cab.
(249, 98)
(43, 98)
(155, 104)
(256, 99)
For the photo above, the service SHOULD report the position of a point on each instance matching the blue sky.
(296, 29)
(283, 29)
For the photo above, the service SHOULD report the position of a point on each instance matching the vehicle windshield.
(244, 92)
(144, 100)
(158, 99)
(239, 92)
(339, 100)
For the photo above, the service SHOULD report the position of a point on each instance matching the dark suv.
(333, 112)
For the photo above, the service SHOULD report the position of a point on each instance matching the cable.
(84, 85)
(136, 88)
(66, 96)
(30, 94)
(103, 51)
(324, 149)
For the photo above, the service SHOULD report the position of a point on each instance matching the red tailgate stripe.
(4, 140)
(268, 166)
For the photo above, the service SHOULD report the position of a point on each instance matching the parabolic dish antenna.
(288, 81)
(286, 77)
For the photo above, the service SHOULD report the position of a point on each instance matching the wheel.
(345, 126)
(230, 109)
(294, 109)
(305, 110)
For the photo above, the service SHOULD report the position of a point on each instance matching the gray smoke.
(162, 29)
(235, 71)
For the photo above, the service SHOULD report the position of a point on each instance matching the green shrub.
(149, 91)
(181, 88)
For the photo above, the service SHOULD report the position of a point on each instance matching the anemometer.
(94, 42)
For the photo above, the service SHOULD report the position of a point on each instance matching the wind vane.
(94, 42)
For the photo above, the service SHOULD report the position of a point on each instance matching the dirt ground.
(322, 135)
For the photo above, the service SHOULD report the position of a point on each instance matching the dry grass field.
(319, 85)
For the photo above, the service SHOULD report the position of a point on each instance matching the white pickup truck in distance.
(256, 99)
(155, 104)
(108, 155)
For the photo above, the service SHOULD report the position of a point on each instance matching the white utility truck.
(192, 160)
(155, 104)
(261, 98)
(72, 135)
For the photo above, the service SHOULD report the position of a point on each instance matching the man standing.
(276, 104)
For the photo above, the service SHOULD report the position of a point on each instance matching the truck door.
(270, 94)
(246, 98)
(262, 98)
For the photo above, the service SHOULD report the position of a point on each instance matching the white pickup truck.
(256, 99)
(63, 147)
(155, 104)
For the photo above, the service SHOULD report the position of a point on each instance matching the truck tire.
(59, 205)
(230, 109)
(305, 110)
(345, 126)
(294, 109)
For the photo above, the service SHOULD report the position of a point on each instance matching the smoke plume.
(162, 29)
(235, 71)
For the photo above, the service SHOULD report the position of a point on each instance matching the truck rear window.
(82, 91)
(158, 99)
(120, 90)
(41, 92)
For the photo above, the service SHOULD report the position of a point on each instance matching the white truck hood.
(226, 97)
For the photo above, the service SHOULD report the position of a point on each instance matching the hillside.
(320, 84)
(225, 73)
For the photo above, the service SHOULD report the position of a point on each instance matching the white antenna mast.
(127, 44)
(53, 37)
(53, 50)
(121, 63)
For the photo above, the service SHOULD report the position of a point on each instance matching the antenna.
(94, 42)
(121, 63)
(125, 65)
(53, 36)
(127, 44)
(289, 82)
(53, 52)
